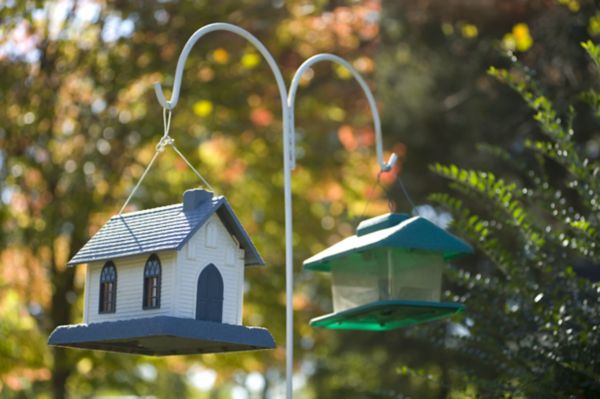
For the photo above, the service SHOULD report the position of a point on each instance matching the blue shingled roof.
(162, 229)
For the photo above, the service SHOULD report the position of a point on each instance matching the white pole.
(289, 161)
(287, 146)
(385, 167)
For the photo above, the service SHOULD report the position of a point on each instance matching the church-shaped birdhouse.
(167, 281)
(389, 274)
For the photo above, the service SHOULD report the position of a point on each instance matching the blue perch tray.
(162, 336)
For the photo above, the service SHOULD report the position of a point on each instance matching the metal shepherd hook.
(170, 105)
(306, 65)
(287, 108)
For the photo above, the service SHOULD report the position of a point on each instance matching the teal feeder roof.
(392, 230)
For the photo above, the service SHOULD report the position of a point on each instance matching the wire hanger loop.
(163, 143)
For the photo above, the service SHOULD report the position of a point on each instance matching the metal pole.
(385, 167)
(287, 146)
(289, 161)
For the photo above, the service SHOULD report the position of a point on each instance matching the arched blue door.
(209, 297)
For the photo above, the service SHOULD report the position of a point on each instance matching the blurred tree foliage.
(80, 123)
(531, 330)
(432, 74)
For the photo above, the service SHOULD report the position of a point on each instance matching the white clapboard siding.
(86, 293)
(130, 288)
(211, 243)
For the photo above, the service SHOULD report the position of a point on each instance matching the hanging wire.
(166, 121)
(370, 197)
(398, 181)
(391, 203)
(139, 181)
(202, 179)
(165, 141)
(405, 192)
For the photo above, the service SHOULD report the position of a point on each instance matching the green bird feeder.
(389, 274)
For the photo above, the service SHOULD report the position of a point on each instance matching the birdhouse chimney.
(194, 198)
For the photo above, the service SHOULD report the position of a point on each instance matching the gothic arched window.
(152, 274)
(108, 288)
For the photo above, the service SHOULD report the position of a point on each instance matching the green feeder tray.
(387, 315)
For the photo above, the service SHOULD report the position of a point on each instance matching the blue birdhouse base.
(162, 336)
(387, 315)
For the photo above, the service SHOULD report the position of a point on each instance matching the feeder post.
(289, 161)
(287, 156)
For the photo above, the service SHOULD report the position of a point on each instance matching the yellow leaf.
(572, 5)
(594, 25)
(250, 60)
(336, 113)
(342, 72)
(203, 108)
(523, 39)
(469, 31)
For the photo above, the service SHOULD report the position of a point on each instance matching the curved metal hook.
(218, 26)
(376, 121)
(169, 105)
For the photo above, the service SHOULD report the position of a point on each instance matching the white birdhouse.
(166, 281)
